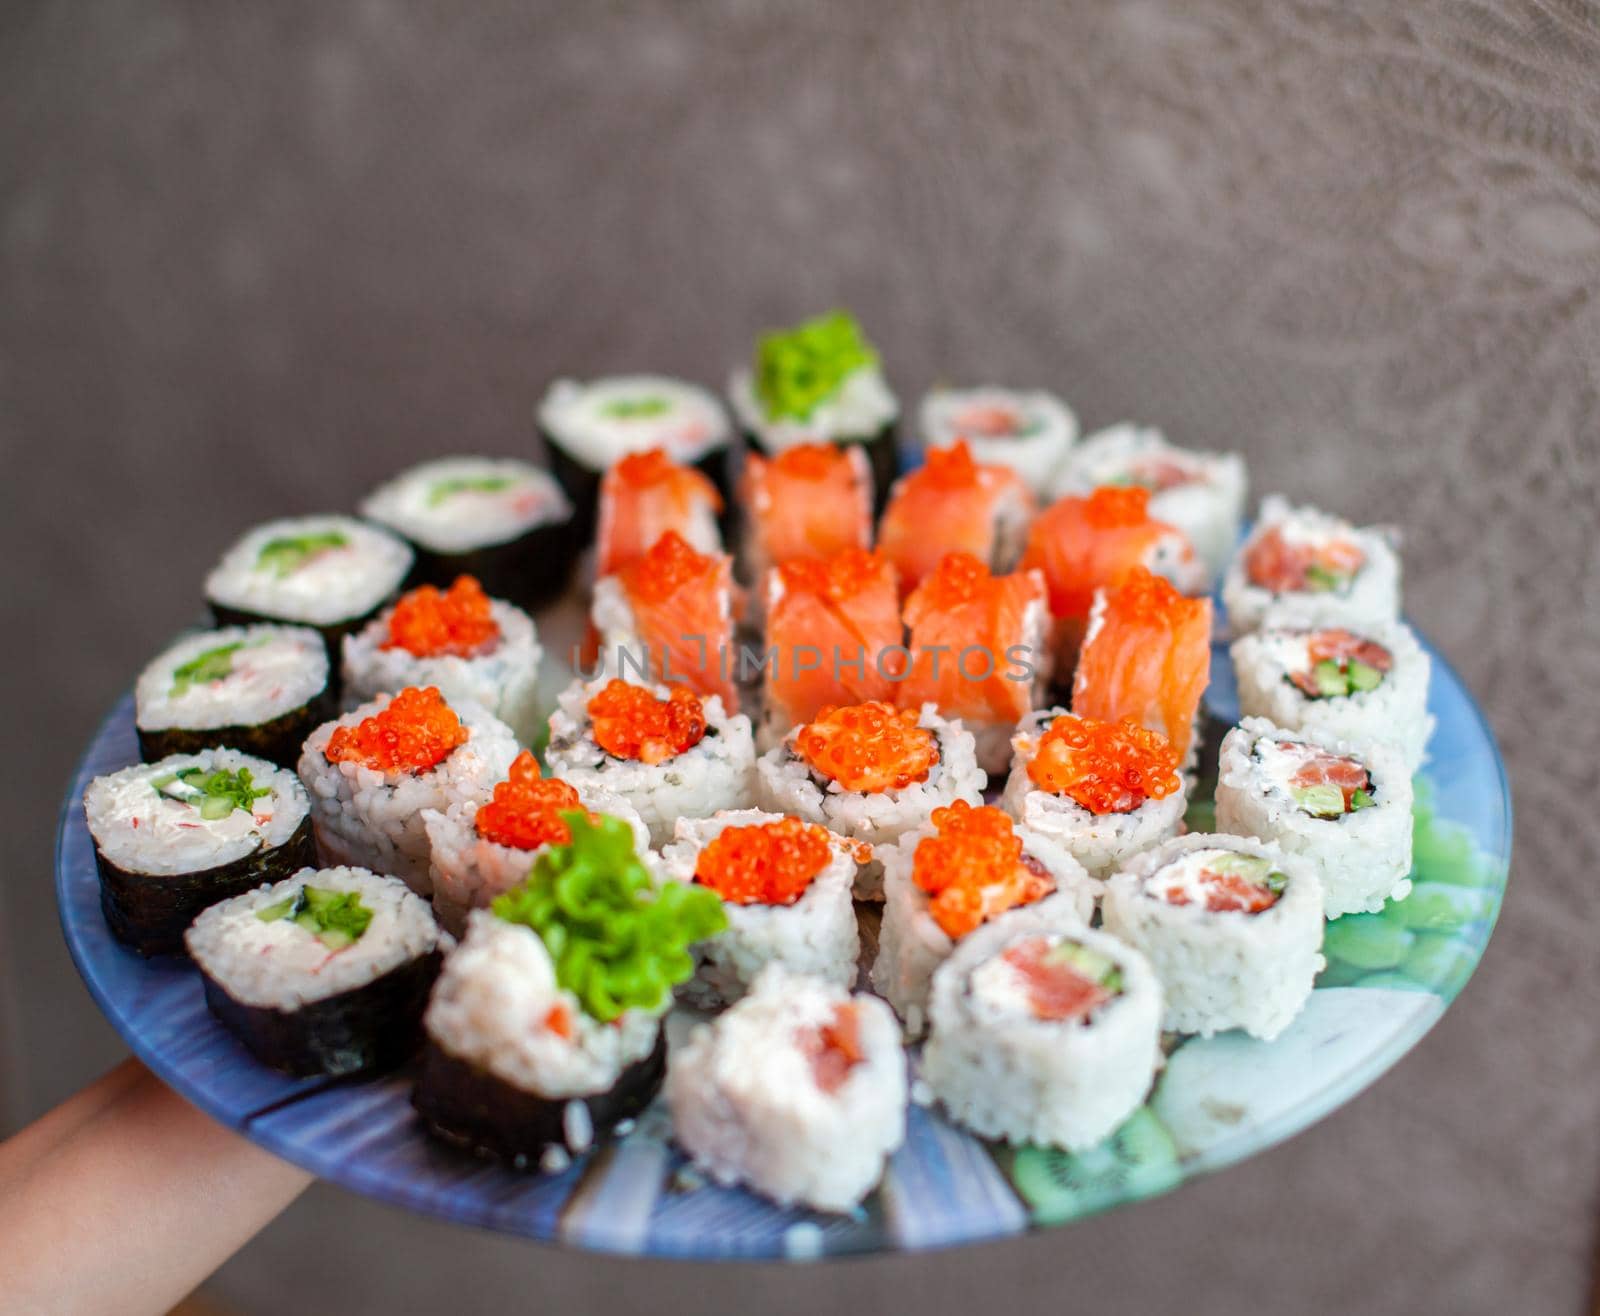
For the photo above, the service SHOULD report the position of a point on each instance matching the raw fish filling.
(1223, 881)
(1276, 563)
(974, 868)
(1323, 785)
(525, 811)
(629, 722)
(834, 1048)
(416, 732)
(990, 421)
(1339, 663)
(433, 623)
(868, 747)
(765, 863)
(1050, 978)
(1106, 767)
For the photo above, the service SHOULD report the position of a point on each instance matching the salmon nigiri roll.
(953, 504)
(669, 617)
(645, 495)
(1084, 544)
(833, 637)
(977, 647)
(1147, 657)
(808, 502)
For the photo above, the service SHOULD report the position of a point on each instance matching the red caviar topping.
(868, 747)
(1107, 767)
(1112, 506)
(950, 468)
(653, 466)
(810, 461)
(834, 1048)
(763, 863)
(631, 723)
(836, 579)
(431, 623)
(974, 868)
(526, 810)
(417, 731)
(959, 579)
(1275, 564)
(669, 565)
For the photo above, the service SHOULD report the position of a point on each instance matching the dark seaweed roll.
(258, 688)
(330, 572)
(326, 972)
(178, 835)
(503, 521)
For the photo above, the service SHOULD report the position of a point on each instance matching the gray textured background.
(252, 257)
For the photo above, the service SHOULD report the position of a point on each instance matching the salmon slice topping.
(948, 505)
(431, 623)
(643, 496)
(416, 732)
(1064, 981)
(868, 747)
(1276, 564)
(525, 810)
(834, 1048)
(1106, 767)
(810, 501)
(1084, 544)
(681, 601)
(973, 868)
(629, 722)
(764, 863)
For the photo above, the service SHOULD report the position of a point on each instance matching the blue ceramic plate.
(1390, 976)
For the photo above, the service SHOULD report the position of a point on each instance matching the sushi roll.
(978, 651)
(962, 868)
(833, 637)
(870, 772)
(952, 504)
(1096, 542)
(1146, 657)
(256, 688)
(785, 886)
(544, 1030)
(1042, 1031)
(799, 1092)
(1103, 790)
(177, 835)
(373, 772)
(1360, 685)
(1301, 564)
(645, 495)
(505, 522)
(819, 382)
(1346, 810)
(479, 850)
(590, 427)
(1031, 432)
(810, 502)
(665, 750)
(332, 573)
(1201, 493)
(325, 972)
(471, 647)
(669, 616)
(1232, 926)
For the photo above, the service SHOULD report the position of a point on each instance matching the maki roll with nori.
(329, 572)
(589, 427)
(256, 688)
(373, 773)
(819, 382)
(503, 521)
(177, 835)
(469, 646)
(544, 1030)
(1030, 432)
(326, 972)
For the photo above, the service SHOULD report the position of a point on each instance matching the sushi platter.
(792, 835)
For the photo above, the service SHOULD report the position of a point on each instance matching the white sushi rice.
(1208, 505)
(457, 504)
(747, 1107)
(280, 965)
(1045, 431)
(786, 783)
(815, 936)
(140, 829)
(1361, 859)
(504, 680)
(491, 1008)
(336, 584)
(274, 670)
(912, 945)
(859, 409)
(1371, 598)
(374, 819)
(1101, 842)
(1006, 1074)
(468, 871)
(716, 773)
(603, 421)
(1396, 710)
(1220, 970)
